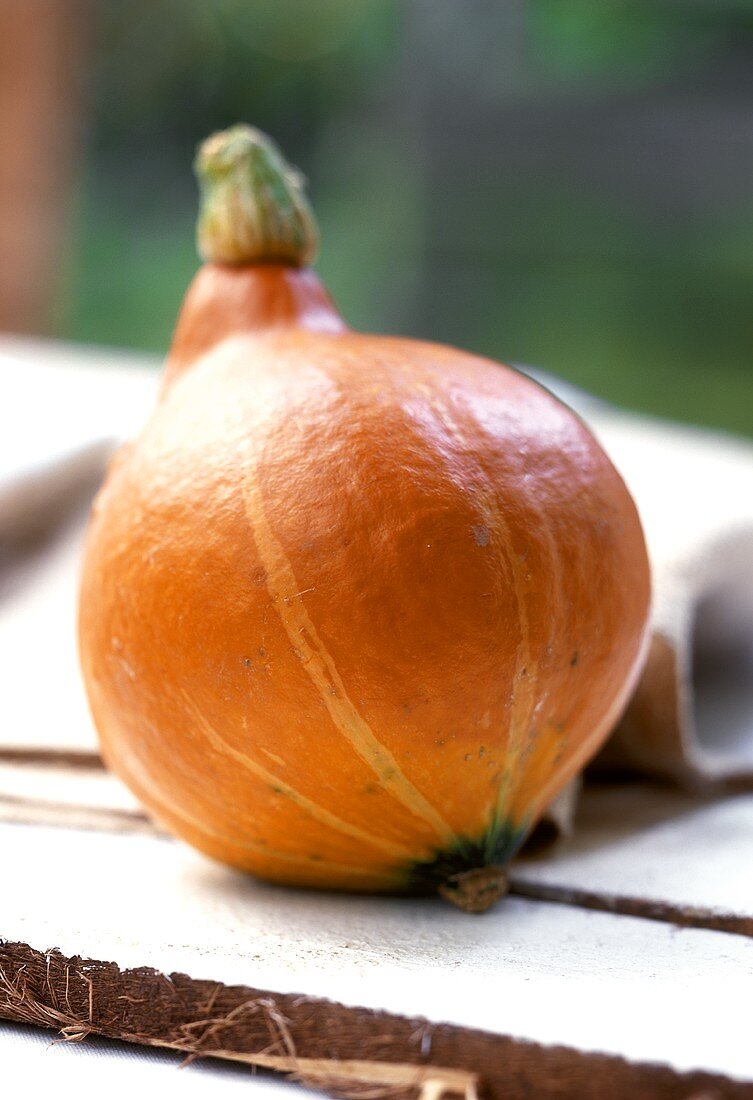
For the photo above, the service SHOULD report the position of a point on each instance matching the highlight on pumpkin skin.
(354, 608)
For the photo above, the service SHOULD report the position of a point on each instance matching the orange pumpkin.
(354, 608)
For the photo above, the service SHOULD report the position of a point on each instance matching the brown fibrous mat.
(349, 1052)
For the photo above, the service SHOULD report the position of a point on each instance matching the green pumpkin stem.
(253, 207)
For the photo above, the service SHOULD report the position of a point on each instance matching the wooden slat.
(550, 973)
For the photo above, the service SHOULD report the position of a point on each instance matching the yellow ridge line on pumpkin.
(319, 813)
(519, 719)
(584, 751)
(556, 566)
(319, 666)
(526, 669)
(159, 799)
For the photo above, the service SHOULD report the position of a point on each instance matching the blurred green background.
(567, 183)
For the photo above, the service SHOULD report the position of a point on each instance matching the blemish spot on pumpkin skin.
(486, 720)
(481, 534)
(574, 660)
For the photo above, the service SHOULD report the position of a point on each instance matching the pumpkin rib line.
(159, 800)
(542, 801)
(525, 668)
(285, 593)
(319, 813)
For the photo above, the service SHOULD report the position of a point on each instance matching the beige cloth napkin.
(691, 720)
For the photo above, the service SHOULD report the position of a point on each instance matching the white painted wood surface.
(547, 972)
(656, 845)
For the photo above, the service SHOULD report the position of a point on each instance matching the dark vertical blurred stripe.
(42, 58)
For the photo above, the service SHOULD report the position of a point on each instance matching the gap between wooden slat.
(87, 759)
(685, 916)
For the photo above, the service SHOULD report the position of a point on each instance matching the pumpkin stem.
(253, 207)
(477, 890)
